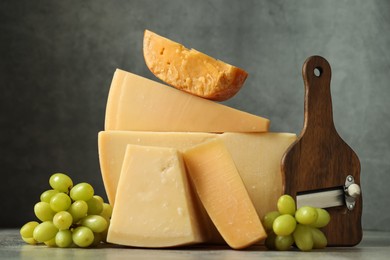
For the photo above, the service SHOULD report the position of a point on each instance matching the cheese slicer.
(320, 169)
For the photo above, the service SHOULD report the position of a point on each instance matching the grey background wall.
(58, 57)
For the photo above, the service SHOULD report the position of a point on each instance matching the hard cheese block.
(257, 157)
(154, 206)
(139, 104)
(223, 194)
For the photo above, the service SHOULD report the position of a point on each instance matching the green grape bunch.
(71, 216)
(289, 226)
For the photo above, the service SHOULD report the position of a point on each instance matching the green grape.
(82, 191)
(283, 243)
(99, 198)
(30, 240)
(60, 202)
(303, 237)
(51, 242)
(45, 231)
(27, 230)
(83, 236)
(306, 215)
(78, 210)
(319, 238)
(107, 211)
(270, 240)
(64, 238)
(61, 182)
(63, 220)
(43, 211)
(95, 222)
(105, 232)
(269, 218)
(46, 196)
(322, 219)
(284, 225)
(95, 206)
(286, 205)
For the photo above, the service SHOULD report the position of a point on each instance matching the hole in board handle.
(317, 71)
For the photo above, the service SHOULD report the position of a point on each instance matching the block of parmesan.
(257, 157)
(223, 194)
(139, 104)
(154, 204)
(190, 70)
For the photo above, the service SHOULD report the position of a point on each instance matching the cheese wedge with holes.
(223, 193)
(257, 157)
(190, 70)
(139, 104)
(154, 206)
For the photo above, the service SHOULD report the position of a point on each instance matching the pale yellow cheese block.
(154, 204)
(190, 70)
(139, 104)
(257, 157)
(223, 193)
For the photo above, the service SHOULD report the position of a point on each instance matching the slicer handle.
(317, 74)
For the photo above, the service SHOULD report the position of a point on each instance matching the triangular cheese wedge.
(154, 206)
(139, 104)
(190, 70)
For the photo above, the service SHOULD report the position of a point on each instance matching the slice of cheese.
(257, 157)
(190, 70)
(154, 207)
(139, 104)
(223, 194)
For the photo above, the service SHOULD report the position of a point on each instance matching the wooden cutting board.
(320, 159)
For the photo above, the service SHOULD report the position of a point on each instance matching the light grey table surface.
(375, 245)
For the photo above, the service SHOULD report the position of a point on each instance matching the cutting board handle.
(317, 74)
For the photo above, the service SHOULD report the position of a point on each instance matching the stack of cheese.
(180, 169)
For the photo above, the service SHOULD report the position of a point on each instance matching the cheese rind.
(113, 94)
(139, 104)
(154, 207)
(257, 157)
(190, 70)
(223, 194)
